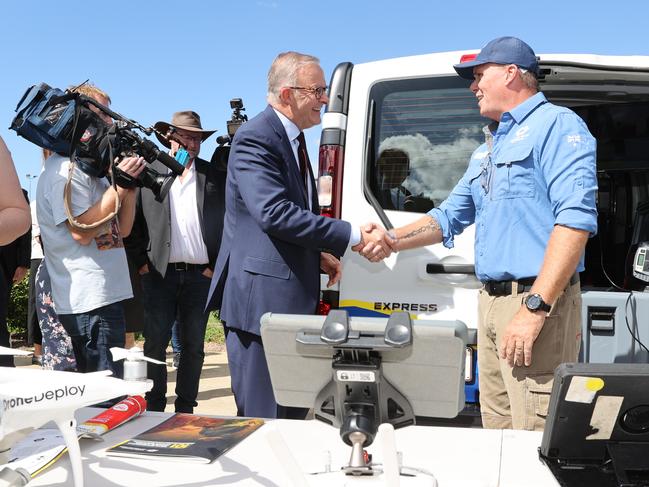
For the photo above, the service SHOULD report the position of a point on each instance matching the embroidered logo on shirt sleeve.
(574, 140)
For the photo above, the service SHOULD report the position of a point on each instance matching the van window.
(424, 133)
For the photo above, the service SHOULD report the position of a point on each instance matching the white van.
(397, 136)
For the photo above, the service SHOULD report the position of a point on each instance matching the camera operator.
(87, 264)
(175, 242)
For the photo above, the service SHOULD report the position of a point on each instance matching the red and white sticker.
(87, 135)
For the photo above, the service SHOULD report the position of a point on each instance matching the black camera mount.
(358, 398)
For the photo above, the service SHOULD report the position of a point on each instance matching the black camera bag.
(45, 117)
(55, 120)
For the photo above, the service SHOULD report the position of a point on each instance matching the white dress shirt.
(187, 243)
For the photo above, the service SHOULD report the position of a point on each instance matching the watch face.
(533, 301)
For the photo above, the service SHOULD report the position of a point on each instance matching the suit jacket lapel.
(201, 169)
(287, 153)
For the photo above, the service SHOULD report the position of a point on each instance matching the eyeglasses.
(318, 92)
(186, 137)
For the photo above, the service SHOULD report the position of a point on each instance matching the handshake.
(376, 243)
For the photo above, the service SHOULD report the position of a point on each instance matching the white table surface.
(456, 456)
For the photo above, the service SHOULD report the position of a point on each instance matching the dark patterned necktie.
(303, 157)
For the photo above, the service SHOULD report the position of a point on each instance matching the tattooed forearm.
(430, 226)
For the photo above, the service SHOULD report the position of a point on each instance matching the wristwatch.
(534, 302)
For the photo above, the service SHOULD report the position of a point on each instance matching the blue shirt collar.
(521, 111)
(292, 130)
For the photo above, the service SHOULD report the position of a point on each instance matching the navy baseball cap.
(503, 50)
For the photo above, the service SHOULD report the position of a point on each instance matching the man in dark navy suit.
(274, 240)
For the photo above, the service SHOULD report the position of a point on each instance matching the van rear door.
(411, 126)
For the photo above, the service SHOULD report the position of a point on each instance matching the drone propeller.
(134, 353)
(13, 351)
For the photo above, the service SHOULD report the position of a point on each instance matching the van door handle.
(450, 269)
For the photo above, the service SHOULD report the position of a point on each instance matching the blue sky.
(155, 58)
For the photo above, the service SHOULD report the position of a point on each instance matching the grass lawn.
(214, 332)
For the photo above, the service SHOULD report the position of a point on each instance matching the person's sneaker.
(176, 360)
(37, 360)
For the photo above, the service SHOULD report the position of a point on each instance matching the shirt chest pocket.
(514, 174)
(476, 179)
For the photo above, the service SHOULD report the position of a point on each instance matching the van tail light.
(323, 308)
(330, 180)
(468, 57)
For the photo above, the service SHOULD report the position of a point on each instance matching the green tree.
(17, 311)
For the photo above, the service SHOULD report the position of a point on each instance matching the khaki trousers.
(518, 397)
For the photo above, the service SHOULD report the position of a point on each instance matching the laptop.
(597, 429)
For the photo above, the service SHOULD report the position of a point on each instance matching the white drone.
(31, 398)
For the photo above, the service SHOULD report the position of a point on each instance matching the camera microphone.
(151, 152)
(170, 162)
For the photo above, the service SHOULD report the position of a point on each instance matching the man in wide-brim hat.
(176, 246)
(181, 122)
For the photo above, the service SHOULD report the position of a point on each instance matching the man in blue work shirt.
(530, 190)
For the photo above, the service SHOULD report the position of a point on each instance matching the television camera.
(70, 124)
(222, 151)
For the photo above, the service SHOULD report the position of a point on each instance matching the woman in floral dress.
(57, 345)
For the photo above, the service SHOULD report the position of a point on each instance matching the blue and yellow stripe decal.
(364, 308)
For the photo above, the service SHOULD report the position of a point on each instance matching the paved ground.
(214, 396)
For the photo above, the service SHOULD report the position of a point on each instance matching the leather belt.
(504, 288)
(184, 266)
